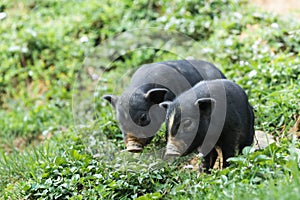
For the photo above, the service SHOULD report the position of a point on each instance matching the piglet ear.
(156, 95)
(112, 99)
(165, 104)
(206, 105)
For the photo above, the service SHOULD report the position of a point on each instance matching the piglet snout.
(172, 150)
(134, 147)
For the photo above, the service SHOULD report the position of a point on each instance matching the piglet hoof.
(203, 169)
(134, 147)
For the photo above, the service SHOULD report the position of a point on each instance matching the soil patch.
(281, 7)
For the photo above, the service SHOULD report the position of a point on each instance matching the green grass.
(44, 155)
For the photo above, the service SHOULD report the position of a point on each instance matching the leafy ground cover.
(42, 48)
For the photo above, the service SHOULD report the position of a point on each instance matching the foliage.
(68, 171)
(42, 48)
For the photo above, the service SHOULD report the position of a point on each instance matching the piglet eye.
(143, 117)
(187, 123)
